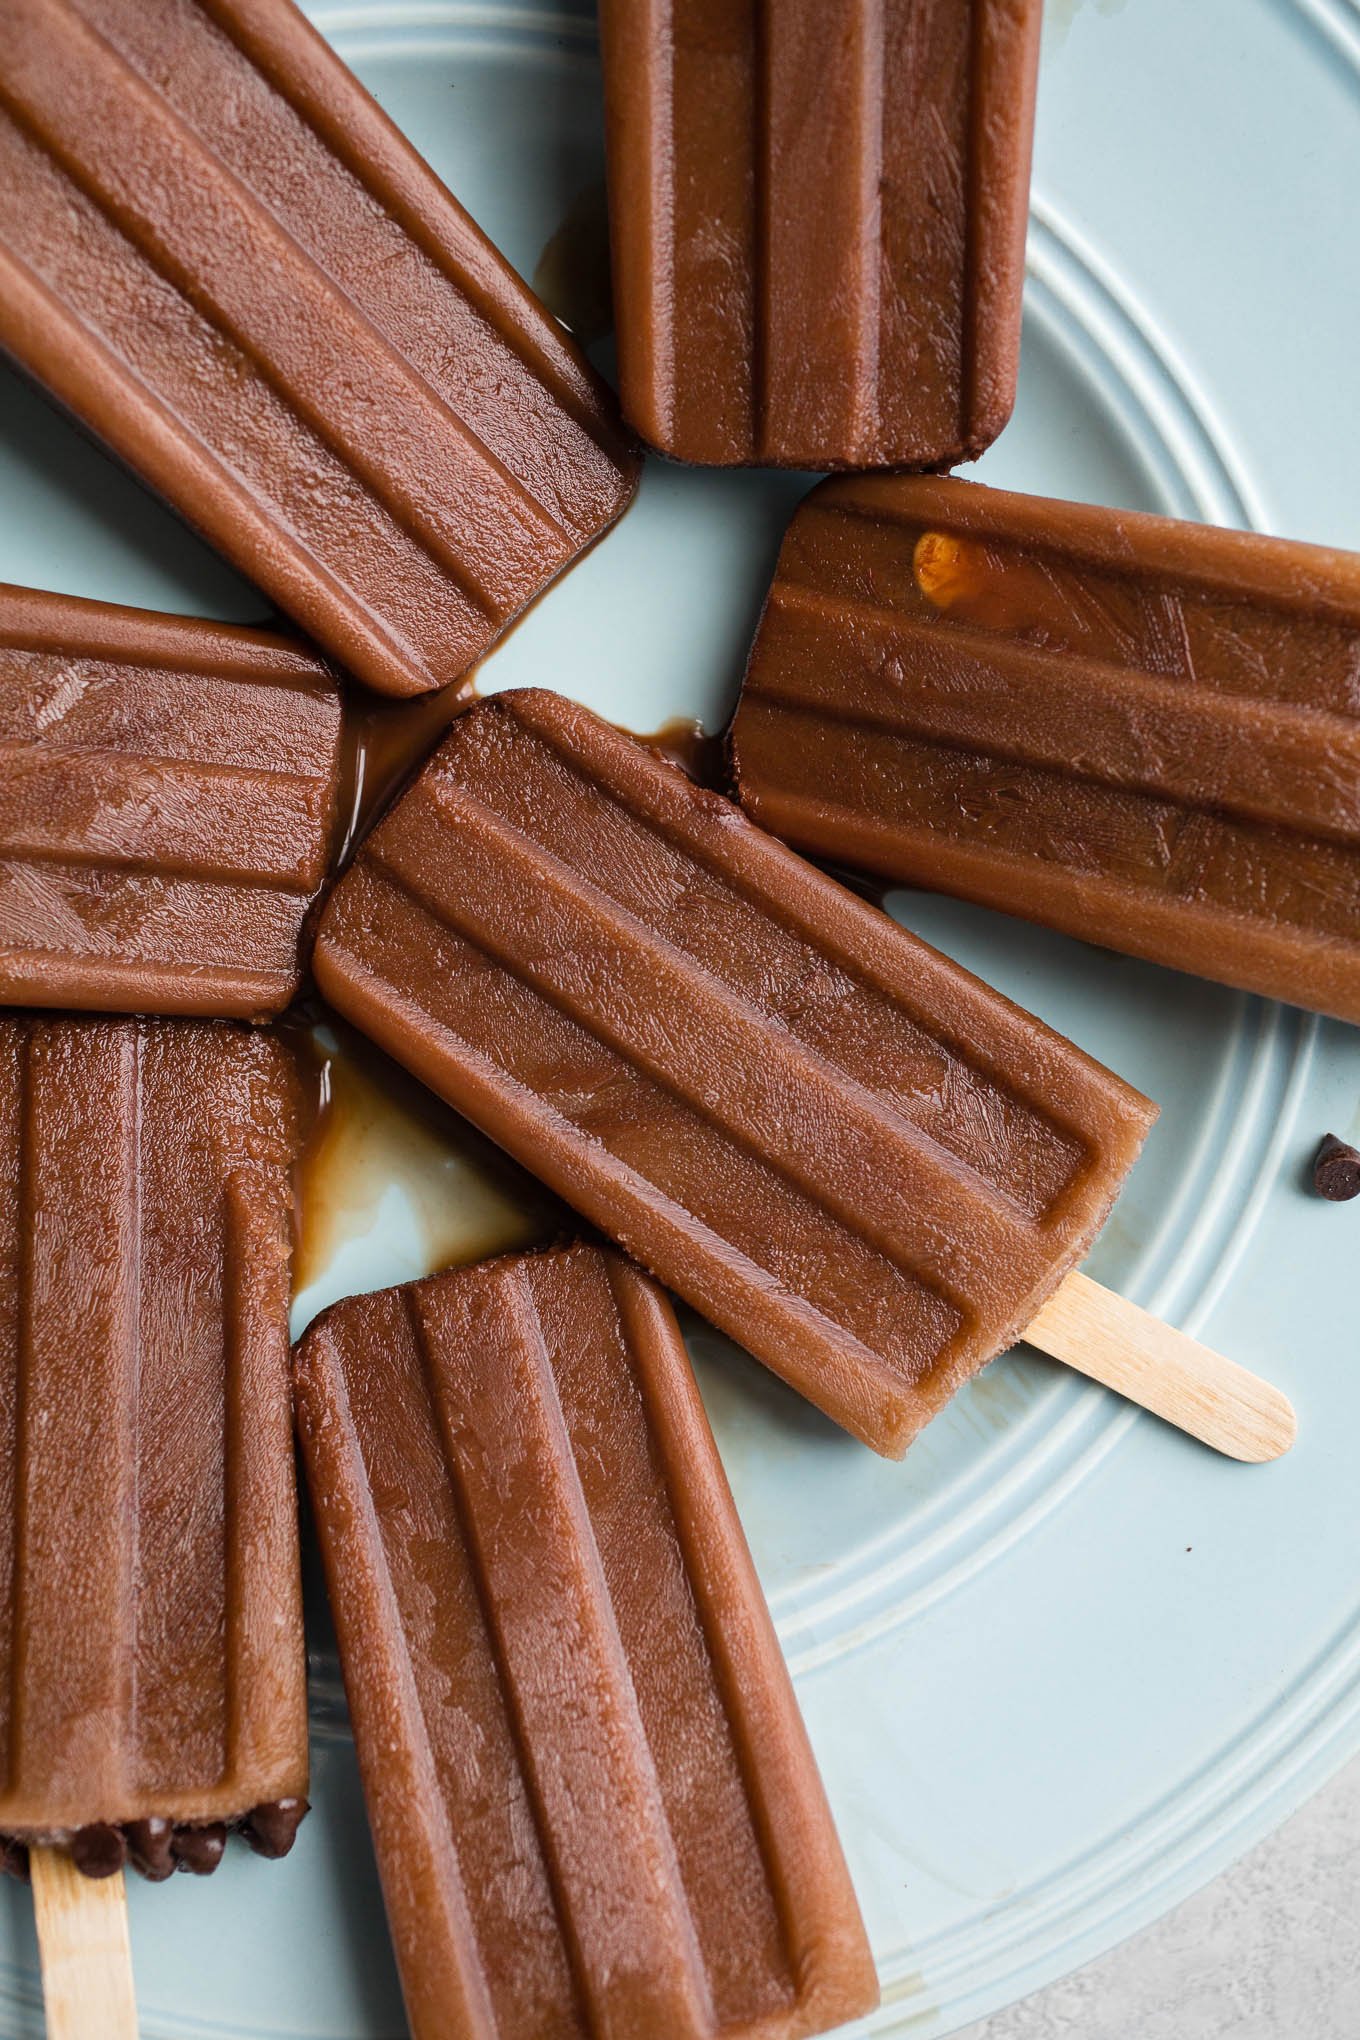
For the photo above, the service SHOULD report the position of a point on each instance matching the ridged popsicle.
(1138, 731)
(817, 214)
(152, 1676)
(846, 1151)
(593, 1801)
(218, 252)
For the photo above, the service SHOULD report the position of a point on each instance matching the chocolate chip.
(151, 1847)
(1336, 1170)
(98, 1850)
(271, 1829)
(13, 1858)
(199, 1849)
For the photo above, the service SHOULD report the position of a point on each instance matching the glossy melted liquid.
(688, 744)
(374, 1132)
(572, 274)
(385, 743)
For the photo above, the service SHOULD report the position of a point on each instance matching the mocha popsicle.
(152, 1678)
(1138, 731)
(218, 252)
(593, 1801)
(847, 1152)
(167, 808)
(817, 215)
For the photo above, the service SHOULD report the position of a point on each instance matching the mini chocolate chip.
(1336, 1170)
(271, 1829)
(98, 1850)
(151, 1846)
(199, 1849)
(13, 1858)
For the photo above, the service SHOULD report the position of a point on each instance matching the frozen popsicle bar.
(218, 252)
(593, 1801)
(152, 1680)
(1141, 732)
(848, 1153)
(167, 808)
(817, 215)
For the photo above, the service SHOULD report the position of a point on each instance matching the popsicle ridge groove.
(631, 828)
(446, 1427)
(302, 70)
(1109, 545)
(382, 1686)
(73, 1701)
(36, 620)
(582, 1748)
(1164, 859)
(166, 442)
(257, 1257)
(138, 225)
(818, 317)
(964, 835)
(254, 827)
(168, 796)
(1004, 53)
(737, 1633)
(650, 1211)
(1126, 727)
(14, 1166)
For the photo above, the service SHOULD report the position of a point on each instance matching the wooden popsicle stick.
(86, 1955)
(1116, 1342)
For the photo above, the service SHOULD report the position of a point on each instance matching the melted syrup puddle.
(687, 743)
(374, 1133)
(572, 275)
(385, 743)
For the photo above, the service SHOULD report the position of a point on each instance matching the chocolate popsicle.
(1138, 731)
(152, 1678)
(218, 252)
(847, 1152)
(167, 808)
(593, 1801)
(817, 215)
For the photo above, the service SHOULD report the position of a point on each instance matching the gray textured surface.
(1270, 1951)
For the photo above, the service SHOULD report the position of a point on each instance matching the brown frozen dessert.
(817, 212)
(592, 1798)
(218, 252)
(167, 808)
(846, 1151)
(152, 1677)
(1141, 732)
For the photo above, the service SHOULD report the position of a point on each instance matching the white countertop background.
(1268, 1951)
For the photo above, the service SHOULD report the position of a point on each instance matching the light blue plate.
(1062, 1665)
